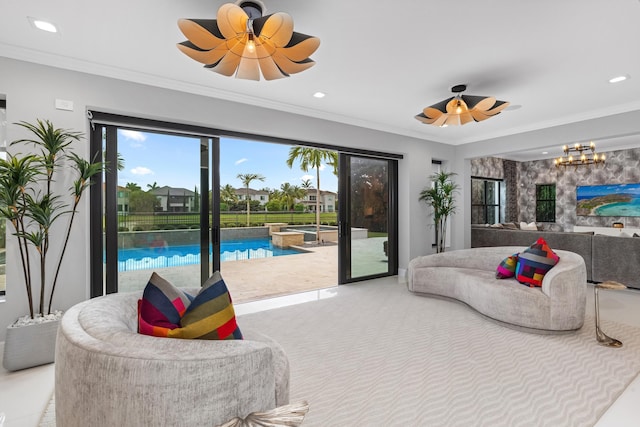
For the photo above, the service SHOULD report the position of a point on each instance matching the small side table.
(601, 337)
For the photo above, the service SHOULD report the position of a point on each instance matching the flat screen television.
(608, 200)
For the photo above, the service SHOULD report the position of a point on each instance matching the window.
(545, 203)
(485, 201)
(312, 198)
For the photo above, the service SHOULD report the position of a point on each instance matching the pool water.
(175, 256)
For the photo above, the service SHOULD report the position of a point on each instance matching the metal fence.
(185, 220)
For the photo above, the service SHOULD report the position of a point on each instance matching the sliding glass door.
(156, 214)
(368, 218)
(158, 206)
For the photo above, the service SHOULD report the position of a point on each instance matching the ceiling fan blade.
(248, 69)
(201, 32)
(232, 20)
(483, 104)
(289, 66)
(269, 69)
(277, 27)
(202, 56)
(302, 49)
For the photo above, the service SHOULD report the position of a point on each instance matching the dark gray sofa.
(616, 258)
(606, 257)
(573, 242)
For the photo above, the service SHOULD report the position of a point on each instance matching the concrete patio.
(253, 279)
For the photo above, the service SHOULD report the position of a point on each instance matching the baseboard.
(402, 272)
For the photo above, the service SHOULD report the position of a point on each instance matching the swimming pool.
(176, 256)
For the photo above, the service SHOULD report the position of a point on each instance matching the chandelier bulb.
(251, 45)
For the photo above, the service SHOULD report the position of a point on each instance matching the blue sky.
(601, 190)
(175, 161)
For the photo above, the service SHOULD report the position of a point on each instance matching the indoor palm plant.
(32, 202)
(441, 196)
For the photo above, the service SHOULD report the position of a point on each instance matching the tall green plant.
(441, 196)
(32, 205)
(312, 158)
(246, 179)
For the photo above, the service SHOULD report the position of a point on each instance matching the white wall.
(31, 91)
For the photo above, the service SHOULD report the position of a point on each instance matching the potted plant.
(32, 202)
(441, 196)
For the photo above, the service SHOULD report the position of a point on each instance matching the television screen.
(608, 200)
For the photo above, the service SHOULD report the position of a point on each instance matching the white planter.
(30, 345)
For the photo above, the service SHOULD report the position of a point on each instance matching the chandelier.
(461, 109)
(584, 155)
(243, 42)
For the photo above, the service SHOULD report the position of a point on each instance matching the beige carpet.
(376, 355)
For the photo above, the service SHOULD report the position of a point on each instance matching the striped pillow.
(211, 315)
(161, 307)
(534, 262)
(507, 267)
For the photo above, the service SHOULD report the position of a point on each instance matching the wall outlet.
(63, 104)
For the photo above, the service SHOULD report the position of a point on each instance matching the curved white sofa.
(468, 275)
(106, 374)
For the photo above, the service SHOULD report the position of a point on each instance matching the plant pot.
(30, 345)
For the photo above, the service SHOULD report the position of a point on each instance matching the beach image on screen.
(608, 200)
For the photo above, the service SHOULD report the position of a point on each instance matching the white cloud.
(322, 166)
(141, 170)
(307, 177)
(133, 135)
(241, 161)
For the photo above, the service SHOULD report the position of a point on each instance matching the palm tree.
(291, 193)
(440, 195)
(228, 194)
(153, 186)
(132, 186)
(246, 179)
(306, 184)
(312, 158)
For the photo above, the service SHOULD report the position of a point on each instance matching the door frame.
(101, 118)
(344, 219)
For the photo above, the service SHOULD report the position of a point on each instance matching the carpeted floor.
(377, 355)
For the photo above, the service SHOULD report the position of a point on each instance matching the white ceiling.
(380, 63)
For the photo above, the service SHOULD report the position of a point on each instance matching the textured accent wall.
(520, 178)
(511, 183)
(621, 167)
(487, 167)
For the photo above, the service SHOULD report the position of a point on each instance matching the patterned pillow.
(211, 315)
(534, 262)
(507, 267)
(161, 307)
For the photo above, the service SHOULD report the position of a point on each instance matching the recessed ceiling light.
(545, 152)
(319, 95)
(43, 25)
(618, 79)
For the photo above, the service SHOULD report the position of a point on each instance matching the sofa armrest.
(560, 282)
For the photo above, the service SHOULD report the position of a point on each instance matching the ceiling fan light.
(461, 109)
(241, 40)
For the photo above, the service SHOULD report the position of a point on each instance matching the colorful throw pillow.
(534, 262)
(507, 267)
(211, 315)
(161, 307)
